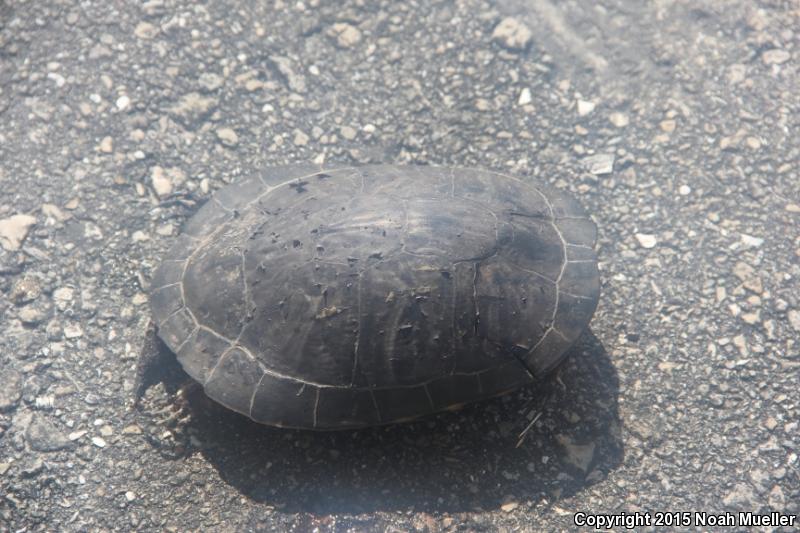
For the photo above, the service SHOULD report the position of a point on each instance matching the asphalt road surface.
(675, 122)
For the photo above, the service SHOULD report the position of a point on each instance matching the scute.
(505, 195)
(516, 308)
(537, 247)
(405, 307)
(284, 402)
(305, 320)
(453, 229)
(233, 381)
(331, 298)
(345, 407)
(214, 288)
(200, 353)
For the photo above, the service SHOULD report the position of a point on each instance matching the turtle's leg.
(166, 409)
(151, 356)
(181, 409)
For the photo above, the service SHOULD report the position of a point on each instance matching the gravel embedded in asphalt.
(674, 123)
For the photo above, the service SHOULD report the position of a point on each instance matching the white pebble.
(776, 56)
(685, 190)
(58, 78)
(794, 319)
(585, 107)
(512, 34)
(44, 402)
(525, 97)
(75, 435)
(99, 442)
(227, 136)
(161, 183)
(600, 164)
(73, 331)
(123, 102)
(619, 120)
(646, 240)
(14, 230)
(749, 240)
(63, 294)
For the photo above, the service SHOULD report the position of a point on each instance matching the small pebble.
(667, 126)
(106, 145)
(73, 331)
(63, 295)
(123, 102)
(794, 319)
(44, 402)
(348, 132)
(43, 436)
(510, 506)
(91, 398)
(775, 57)
(346, 35)
(227, 137)
(162, 185)
(619, 120)
(753, 242)
(52, 211)
(753, 143)
(737, 73)
(145, 30)
(646, 240)
(579, 455)
(585, 107)
(99, 442)
(210, 81)
(75, 435)
(11, 391)
(743, 271)
(599, 164)
(751, 318)
(31, 315)
(512, 34)
(300, 138)
(13, 231)
(482, 104)
(525, 97)
(57, 78)
(741, 344)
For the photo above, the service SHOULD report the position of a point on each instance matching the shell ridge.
(358, 332)
(253, 396)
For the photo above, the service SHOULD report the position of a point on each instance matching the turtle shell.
(328, 298)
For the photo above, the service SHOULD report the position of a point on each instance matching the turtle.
(327, 297)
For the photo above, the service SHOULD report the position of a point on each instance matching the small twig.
(527, 428)
(547, 395)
